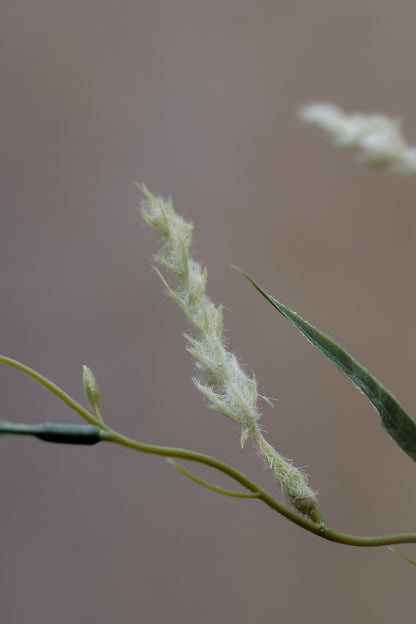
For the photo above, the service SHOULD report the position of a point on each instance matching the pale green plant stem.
(47, 383)
(399, 554)
(318, 526)
(210, 486)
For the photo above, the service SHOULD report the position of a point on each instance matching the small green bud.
(92, 391)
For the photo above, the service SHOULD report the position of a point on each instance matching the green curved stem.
(210, 486)
(47, 383)
(315, 525)
(318, 527)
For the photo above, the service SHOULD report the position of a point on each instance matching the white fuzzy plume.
(222, 380)
(376, 138)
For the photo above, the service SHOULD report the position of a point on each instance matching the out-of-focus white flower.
(222, 380)
(377, 139)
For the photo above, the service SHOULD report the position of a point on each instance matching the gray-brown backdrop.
(197, 99)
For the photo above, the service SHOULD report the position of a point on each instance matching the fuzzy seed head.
(377, 139)
(221, 380)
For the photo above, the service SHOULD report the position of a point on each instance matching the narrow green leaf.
(400, 427)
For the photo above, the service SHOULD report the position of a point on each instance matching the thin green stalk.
(210, 486)
(47, 383)
(399, 554)
(319, 527)
(167, 451)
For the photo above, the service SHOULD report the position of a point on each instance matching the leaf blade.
(397, 423)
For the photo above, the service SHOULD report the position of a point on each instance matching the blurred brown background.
(198, 99)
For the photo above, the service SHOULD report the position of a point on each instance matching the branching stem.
(316, 525)
(319, 527)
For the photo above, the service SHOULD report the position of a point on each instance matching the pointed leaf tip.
(398, 424)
